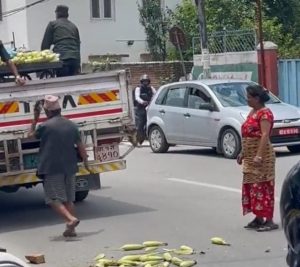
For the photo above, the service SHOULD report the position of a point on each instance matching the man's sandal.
(69, 233)
(70, 229)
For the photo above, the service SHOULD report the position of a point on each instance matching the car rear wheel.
(230, 144)
(157, 139)
(294, 149)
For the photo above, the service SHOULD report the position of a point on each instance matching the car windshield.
(235, 95)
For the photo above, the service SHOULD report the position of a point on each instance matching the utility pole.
(204, 40)
(261, 42)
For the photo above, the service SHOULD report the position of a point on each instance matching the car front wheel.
(230, 144)
(157, 139)
(294, 149)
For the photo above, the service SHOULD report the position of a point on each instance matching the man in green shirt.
(64, 36)
(58, 159)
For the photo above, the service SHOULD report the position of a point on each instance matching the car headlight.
(244, 115)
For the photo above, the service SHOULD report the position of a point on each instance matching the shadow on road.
(26, 209)
(207, 152)
(79, 237)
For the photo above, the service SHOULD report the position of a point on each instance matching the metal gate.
(289, 81)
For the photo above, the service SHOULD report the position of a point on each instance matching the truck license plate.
(107, 152)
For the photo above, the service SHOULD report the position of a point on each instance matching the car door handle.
(187, 115)
(162, 111)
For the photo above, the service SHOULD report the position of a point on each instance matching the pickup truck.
(99, 103)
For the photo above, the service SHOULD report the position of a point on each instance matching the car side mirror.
(207, 106)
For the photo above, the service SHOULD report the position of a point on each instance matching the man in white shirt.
(143, 96)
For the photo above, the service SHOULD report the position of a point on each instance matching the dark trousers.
(293, 260)
(70, 67)
(141, 122)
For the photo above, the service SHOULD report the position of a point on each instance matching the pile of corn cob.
(150, 256)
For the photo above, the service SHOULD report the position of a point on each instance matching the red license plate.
(288, 131)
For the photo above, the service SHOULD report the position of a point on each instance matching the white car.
(9, 260)
(210, 113)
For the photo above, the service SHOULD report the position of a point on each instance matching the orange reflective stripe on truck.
(95, 98)
(9, 107)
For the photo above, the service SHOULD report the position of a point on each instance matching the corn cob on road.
(184, 197)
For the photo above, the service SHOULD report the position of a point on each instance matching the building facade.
(106, 26)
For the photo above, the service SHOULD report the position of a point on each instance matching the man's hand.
(37, 111)
(87, 167)
(20, 81)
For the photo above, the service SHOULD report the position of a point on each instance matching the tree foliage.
(281, 22)
(155, 21)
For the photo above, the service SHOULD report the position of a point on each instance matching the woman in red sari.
(258, 159)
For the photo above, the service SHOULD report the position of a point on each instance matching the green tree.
(186, 17)
(156, 23)
(240, 15)
(287, 13)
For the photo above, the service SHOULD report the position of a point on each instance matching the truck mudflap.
(21, 179)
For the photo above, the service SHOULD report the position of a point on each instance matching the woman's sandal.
(255, 224)
(268, 227)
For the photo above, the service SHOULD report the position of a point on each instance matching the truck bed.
(93, 101)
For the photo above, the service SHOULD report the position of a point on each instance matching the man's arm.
(12, 67)
(153, 90)
(78, 38)
(48, 37)
(18, 79)
(36, 115)
(137, 93)
(83, 155)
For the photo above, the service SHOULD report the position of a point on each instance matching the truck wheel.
(81, 195)
(157, 139)
(230, 144)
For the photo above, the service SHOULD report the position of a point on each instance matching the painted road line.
(211, 186)
(214, 186)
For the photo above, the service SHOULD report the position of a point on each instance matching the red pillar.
(271, 67)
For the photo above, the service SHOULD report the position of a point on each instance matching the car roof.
(210, 82)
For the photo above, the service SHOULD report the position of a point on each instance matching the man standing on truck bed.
(6, 58)
(64, 35)
(58, 160)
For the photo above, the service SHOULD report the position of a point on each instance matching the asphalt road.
(185, 197)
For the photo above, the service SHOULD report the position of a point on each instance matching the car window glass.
(175, 97)
(235, 95)
(197, 97)
(161, 97)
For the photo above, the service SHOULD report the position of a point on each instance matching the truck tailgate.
(88, 100)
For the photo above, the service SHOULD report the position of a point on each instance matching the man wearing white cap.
(58, 159)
